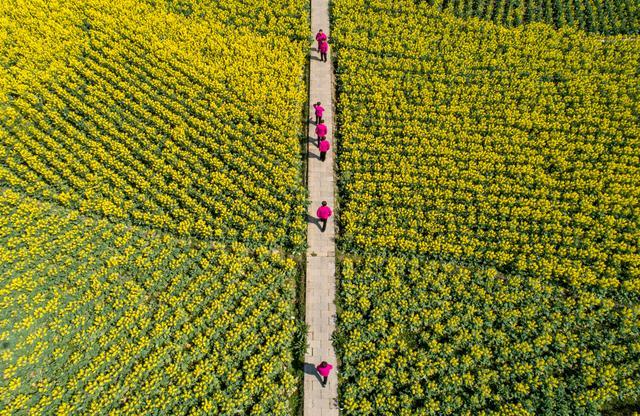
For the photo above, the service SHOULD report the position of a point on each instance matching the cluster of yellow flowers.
(441, 338)
(287, 18)
(510, 147)
(141, 125)
(149, 177)
(516, 154)
(602, 16)
(107, 318)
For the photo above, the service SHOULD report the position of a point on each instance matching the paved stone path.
(321, 260)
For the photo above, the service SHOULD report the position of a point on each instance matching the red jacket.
(324, 212)
(324, 145)
(321, 130)
(324, 371)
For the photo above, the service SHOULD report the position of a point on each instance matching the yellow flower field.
(103, 318)
(490, 188)
(151, 117)
(151, 206)
(599, 16)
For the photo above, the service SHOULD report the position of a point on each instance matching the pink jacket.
(324, 371)
(324, 145)
(321, 37)
(324, 213)
(324, 47)
(319, 110)
(321, 130)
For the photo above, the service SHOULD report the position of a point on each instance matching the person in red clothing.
(324, 48)
(321, 131)
(321, 37)
(324, 369)
(319, 111)
(324, 148)
(323, 213)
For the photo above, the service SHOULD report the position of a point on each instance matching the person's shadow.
(313, 140)
(313, 220)
(311, 370)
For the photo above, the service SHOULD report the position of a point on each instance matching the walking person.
(321, 131)
(321, 37)
(324, 148)
(324, 369)
(324, 48)
(319, 110)
(323, 213)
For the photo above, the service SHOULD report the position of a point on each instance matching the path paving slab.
(321, 261)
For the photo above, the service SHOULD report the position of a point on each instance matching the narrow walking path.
(321, 260)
